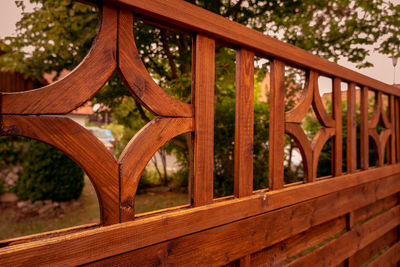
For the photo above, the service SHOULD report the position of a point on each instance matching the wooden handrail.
(192, 18)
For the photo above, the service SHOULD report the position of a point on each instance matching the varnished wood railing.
(116, 182)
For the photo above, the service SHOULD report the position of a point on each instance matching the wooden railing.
(252, 228)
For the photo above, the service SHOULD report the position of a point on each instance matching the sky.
(382, 70)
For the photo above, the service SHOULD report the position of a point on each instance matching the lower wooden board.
(223, 244)
(391, 257)
(346, 245)
(362, 256)
(295, 246)
(233, 239)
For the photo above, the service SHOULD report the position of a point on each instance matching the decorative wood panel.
(339, 221)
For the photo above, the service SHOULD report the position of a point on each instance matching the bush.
(49, 174)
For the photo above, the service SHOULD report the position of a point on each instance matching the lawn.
(86, 212)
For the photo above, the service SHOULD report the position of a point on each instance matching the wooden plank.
(245, 261)
(223, 244)
(138, 80)
(138, 152)
(362, 214)
(88, 77)
(346, 245)
(40, 236)
(337, 145)
(204, 73)
(82, 147)
(276, 125)
(392, 140)
(244, 121)
(375, 247)
(90, 246)
(351, 142)
(391, 257)
(364, 142)
(368, 211)
(397, 122)
(280, 253)
(193, 18)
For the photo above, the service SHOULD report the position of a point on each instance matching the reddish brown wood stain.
(343, 220)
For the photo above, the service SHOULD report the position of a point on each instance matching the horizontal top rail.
(191, 17)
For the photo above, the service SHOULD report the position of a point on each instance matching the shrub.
(49, 174)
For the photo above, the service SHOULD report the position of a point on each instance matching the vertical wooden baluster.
(244, 123)
(351, 129)
(397, 127)
(338, 138)
(392, 140)
(276, 125)
(203, 156)
(364, 145)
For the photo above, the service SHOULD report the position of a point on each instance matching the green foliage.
(56, 36)
(11, 150)
(49, 174)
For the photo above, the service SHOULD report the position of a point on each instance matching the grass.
(156, 201)
(88, 212)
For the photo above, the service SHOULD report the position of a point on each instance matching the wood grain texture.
(192, 18)
(81, 146)
(204, 77)
(373, 209)
(295, 131)
(392, 144)
(244, 121)
(337, 145)
(223, 244)
(272, 224)
(319, 107)
(363, 255)
(80, 85)
(300, 110)
(286, 250)
(317, 145)
(90, 246)
(276, 125)
(391, 257)
(351, 140)
(364, 142)
(138, 80)
(397, 127)
(138, 153)
(359, 216)
(346, 245)
(376, 113)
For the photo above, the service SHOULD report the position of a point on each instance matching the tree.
(61, 31)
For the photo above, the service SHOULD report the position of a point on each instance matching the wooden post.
(203, 156)
(244, 121)
(337, 148)
(276, 125)
(351, 129)
(364, 144)
(392, 140)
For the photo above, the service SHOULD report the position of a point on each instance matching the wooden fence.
(342, 220)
